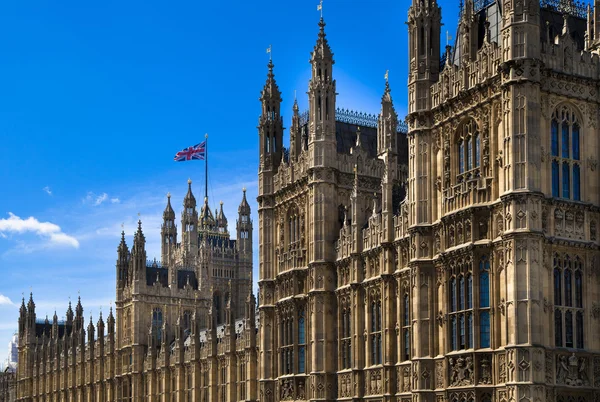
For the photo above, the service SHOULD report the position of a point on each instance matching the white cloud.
(95, 199)
(47, 190)
(5, 301)
(48, 230)
(115, 200)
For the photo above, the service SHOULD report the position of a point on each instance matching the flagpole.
(206, 166)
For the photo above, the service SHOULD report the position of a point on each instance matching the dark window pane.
(555, 180)
(565, 140)
(461, 325)
(484, 289)
(484, 329)
(461, 293)
(469, 291)
(453, 343)
(576, 142)
(557, 287)
(566, 182)
(576, 183)
(558, 328)
(452, 289)
(568, 288)
(579, 329)
(569, 329)
(554, 138)
(469, 151)
(578, 289)
(461, 157)
(477, 150)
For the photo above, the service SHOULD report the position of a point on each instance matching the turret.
(138, 252)
(424, 22)
(270, 125)
(296, 147)
(122, 263)
(468, 28)
(244, 227)
(322, 146)
(31, 314)
(386, 148)
(78, 316)
(221, 219)
(22, 318)
(90, 334)
(168, 231)
(69, 319)
(189, 220)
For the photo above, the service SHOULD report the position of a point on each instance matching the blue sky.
(96, 97)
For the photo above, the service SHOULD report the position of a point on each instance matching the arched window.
(469, 151)
(157, 323)
(569, 302)
(565, 135)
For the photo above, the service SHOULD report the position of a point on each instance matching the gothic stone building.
(184, 329)
(483, 282)
(8, 389)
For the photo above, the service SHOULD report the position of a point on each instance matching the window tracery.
(346, 333)
(565, 136)
(375, 327)
(568, 302)
(468, 144)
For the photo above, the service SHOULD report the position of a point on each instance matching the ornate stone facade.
(440, 295)
(8, 385)
(185, 329)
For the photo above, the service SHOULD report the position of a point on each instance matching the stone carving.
(287, 390)
(439, 374)
(406, 384)
(461, 371)
(571, 370)
(486, 374)
(345, 387)
(502, 368)
(375, 383)
(593, 231)
(549, 364)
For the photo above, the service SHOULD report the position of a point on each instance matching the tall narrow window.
(578, 289)
(569, 302)
(453, 341)
(477, 150)
(568, 288)
(555, 179)
(469, 291)
(566, 181)
(554, 135)
(565, 147)
(558, 328)
(346, 338)
(568, 329)
(576, 183)
(579, 329)
(157, 323)
(469, 151)
(484, 329)
(301, 343)
(461, 157)
(406, 327)
(452, 289)
(461, 293)
(376, 357)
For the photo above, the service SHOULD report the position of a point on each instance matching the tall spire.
(322, 49)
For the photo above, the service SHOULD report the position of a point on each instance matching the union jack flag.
(197, 152)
